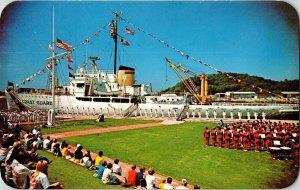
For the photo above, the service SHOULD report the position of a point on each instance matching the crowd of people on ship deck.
(258, 135)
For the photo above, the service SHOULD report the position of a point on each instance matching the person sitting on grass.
(140, 176)
(169, 185)
(98, 159)
(131, 178)
(88, 161)
(39, 180)
(162, 184)
(56, 150)
(150, 179)
(183, 184)
(78, 154)
(101, 170)
(116, 167)
(108, 177)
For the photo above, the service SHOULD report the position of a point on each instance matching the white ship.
(117, 93)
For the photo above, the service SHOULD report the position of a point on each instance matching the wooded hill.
(220, 83)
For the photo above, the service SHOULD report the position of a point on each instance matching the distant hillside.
(218, 83)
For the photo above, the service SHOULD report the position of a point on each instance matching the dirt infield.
(125, 166)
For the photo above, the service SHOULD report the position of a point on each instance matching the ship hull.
(69, 104)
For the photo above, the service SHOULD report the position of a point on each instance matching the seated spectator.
(116, 167)
(56, 150)
(98, 159)
(88, 161)
(140, 176)
(78, 154)
(150, 179)
(101, 170)
(168, 185)
(162, 184)
(131, 178)
(183, 184)
(39, 180)
(196, 186)
(46, 143)
(53, 144)
(108, 177)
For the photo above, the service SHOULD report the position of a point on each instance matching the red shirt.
(131, 178)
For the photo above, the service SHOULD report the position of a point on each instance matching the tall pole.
(53, 71)
(116, 41)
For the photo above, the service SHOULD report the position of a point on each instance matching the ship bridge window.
(84, 99)
(120, 100)
(101, 99)
(80, 85)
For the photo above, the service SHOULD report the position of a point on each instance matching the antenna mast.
(114, 35)
(53, 72)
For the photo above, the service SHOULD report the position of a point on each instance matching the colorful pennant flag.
(124, 42)
(70, 68)
(71, 76)
(49, 65)
(63, 45)
(69, 59)
(128, 31)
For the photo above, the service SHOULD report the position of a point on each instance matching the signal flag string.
(193, 58)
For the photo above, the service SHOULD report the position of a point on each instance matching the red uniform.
(213, 134)
(257, 142)
(206, 137)
(227, 135)
(246, 140)
(235, 139)
(220, 138)
(268, 143)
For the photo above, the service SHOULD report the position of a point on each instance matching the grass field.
(73, 176)
(178, 151)
(89, 124)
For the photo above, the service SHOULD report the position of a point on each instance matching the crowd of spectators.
(21, 166)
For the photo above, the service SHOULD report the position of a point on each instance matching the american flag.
(63, 45)
(128, 31)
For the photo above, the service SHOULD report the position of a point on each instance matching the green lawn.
(89, 124)
(179, 151)
(73, 176)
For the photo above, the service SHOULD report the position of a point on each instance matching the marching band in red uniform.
(260, 135)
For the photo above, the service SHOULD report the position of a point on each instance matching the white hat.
(183, 181)
(78, 145)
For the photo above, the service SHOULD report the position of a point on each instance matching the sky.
(255, 38)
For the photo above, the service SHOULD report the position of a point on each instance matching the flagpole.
(53, 71)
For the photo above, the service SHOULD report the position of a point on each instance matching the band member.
(227, 135)
(235, 139)
(246, 140)
(257, 141)
(206, 136)
(213, 134)
(220, 137)
(268, 143)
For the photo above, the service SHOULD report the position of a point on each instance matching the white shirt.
(117, 168)
(181, 187)
(150, 179)
(168, 186)
(45, 143)
(106, 176)
(42, 182)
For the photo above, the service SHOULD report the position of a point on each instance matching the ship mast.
(114, 35)
(53, 73)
